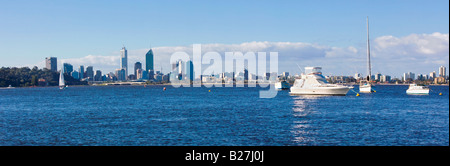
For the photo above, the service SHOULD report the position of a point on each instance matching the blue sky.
(68, 29)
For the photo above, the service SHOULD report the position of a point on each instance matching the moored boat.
(417, 89)
(314, 83)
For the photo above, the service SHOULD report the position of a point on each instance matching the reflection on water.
(301, 128)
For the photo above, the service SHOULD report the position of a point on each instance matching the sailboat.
(62, 85)
(365, 86)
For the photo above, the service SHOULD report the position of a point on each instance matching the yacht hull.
(365, 89)
(418, 91)
(337, 91)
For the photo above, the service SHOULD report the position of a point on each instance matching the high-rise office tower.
(120, 74)
(81, 70)
(137, 65)
(139, 74)
(51, 63)
(442, 71)
(124, 61)
(190, 70)
(98, 75)
(68, 68)
(433, 75)
(75, 75)
(90, 73)
(149, 60)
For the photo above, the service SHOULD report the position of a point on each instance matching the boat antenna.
(300, 68)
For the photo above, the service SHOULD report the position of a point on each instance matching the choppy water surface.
(138, 115)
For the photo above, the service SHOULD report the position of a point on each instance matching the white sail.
(61, 79)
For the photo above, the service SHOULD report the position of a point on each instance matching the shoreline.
(191, 85)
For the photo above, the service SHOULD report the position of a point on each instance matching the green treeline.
(22, 77)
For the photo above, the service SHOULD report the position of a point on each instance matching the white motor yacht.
(417, 89)
(314, 83)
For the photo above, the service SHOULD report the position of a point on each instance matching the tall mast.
(368, 52)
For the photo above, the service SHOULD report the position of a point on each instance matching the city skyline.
(184, 70)
(407, 36)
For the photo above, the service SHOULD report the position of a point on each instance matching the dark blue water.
(137, 115)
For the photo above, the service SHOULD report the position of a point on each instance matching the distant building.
(151, 75)
(81, 70)
(245, 75)
(90, 73)
(51, 63)
(408, 76)
(439, 80)
(433, 75)
(111, 77)
(124, 61)
(177, 70)
(420, 77)
(98, 75)
(75, 75)
(442, 71)
(144, 75)
(149, 60)
(385, 78)
(158, 78)
(139, 74)
(190, 70)
(68, 68)
(165, 78)
(120, 74)
(137, 65)
(377, 77)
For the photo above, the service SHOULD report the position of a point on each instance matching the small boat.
(10, 87)
(282, 85)
(62, 85)
(417, 89)
(314, 83)
(365, 86)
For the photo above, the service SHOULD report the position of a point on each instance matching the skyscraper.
(149, 60)
(124, 61)
(190, 70)
(442, 71)
(75, 75)
(409, 75)
(90, 73)
(81, 70)
(120, 74)
(98, 75)
(68, 68)
(137, 65)
(433, 75)
(139, 74)
(51, 63)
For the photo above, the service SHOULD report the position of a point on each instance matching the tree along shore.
(25, 77)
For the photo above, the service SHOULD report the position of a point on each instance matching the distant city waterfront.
(181, 71)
